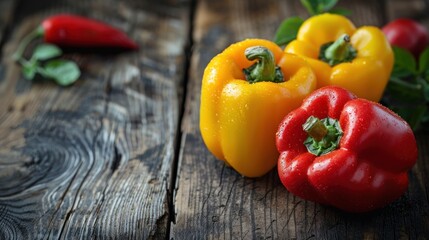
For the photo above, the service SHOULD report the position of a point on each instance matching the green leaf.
(404, 90)
(29, 68)
(318, 6)
(29, 72)
(405, 63)
(46, 51)
(413, 115)
(424, 61)
(399, 72)
(62, 71)
(341, 11)
(326, 5)
(311, 6)
(288, 30)
(425, 87)
(426, 75)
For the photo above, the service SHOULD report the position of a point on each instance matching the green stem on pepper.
(323, 135)
(264, 69)
(38, 32)
(338, 52)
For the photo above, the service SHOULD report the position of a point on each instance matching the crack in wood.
(116, 161)
(61, 200)
(179, 139)
(160, 231)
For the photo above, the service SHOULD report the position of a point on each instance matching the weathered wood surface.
(112, 157)
(94, 160)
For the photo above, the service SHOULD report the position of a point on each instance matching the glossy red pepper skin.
(369, 168)
(76, 31)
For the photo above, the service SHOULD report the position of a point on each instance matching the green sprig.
(315, 7)
(43, 62)
(407, 92)
(288, 29)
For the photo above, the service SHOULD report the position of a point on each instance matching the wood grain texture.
(6, 14)
(97, 160)
(7, 9)
(94, 160)
(416, 9)
(214, 202)
(408, 9)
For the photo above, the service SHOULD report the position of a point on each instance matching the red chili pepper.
(77, 31)
(350, 153)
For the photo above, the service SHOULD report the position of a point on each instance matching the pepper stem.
(38, 32)
(323, 135)
(338, 52)
(315, 128)
(264, 70)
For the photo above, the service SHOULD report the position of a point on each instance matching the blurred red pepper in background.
(408, 34)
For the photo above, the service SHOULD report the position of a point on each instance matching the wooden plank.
(214, 202)
(94, 160)
(407, 9)
(416, 9)
(7, 8)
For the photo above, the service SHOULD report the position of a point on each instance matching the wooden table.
(119, 155)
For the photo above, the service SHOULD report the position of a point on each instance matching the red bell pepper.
(346, 152)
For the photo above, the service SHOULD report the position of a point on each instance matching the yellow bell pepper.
(360, 60)
(246, 91)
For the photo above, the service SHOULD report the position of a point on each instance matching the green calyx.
(323, 135)
(338, 52)
(264, 69)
